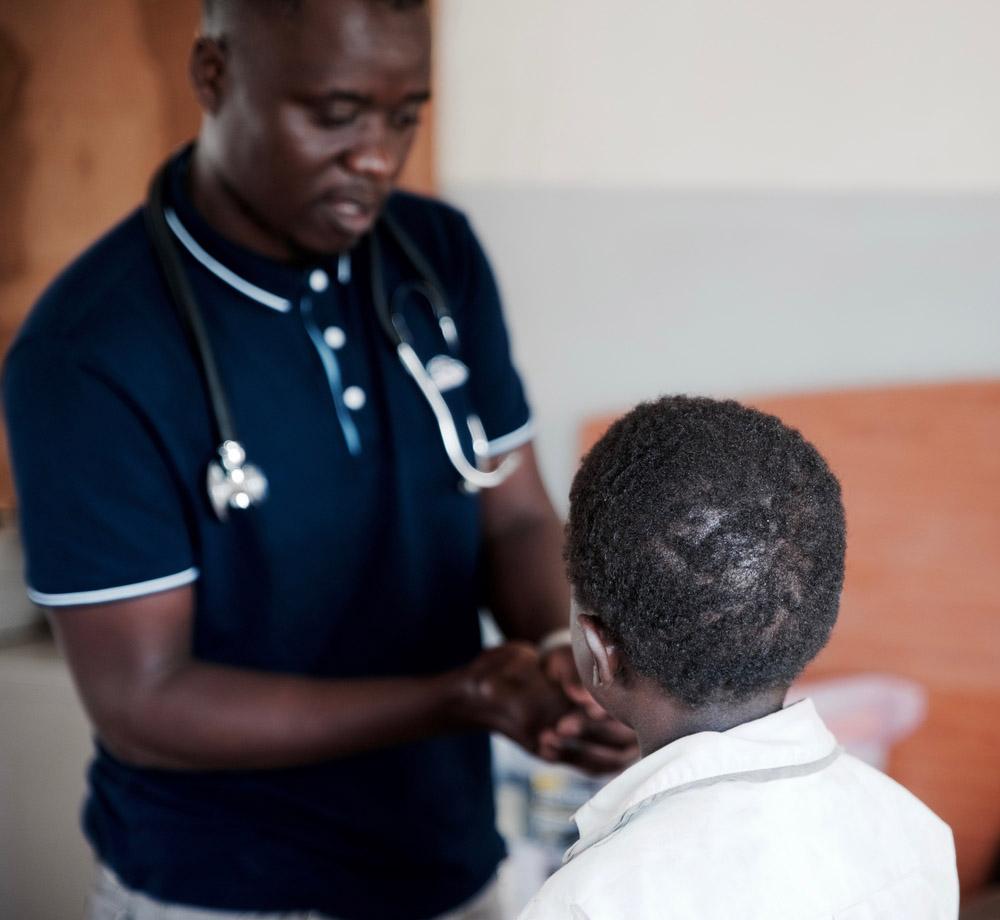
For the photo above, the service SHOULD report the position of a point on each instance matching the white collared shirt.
(767, 821)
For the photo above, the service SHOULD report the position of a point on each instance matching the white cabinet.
(45, 864)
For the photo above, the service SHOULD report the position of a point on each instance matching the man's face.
(316, 116)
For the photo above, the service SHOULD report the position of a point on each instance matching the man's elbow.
(127, 726)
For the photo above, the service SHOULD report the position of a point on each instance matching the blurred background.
(796, 204)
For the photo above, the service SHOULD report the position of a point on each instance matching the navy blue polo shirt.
(363, 561)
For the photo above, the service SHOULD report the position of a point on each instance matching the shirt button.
(335, 337)
(319, 280)
(354, 398)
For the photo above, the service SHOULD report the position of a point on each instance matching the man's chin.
(339, 227)
(319, 245)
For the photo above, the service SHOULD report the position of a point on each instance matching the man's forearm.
(208, 717)
(154, 704)
(528, 592)
(522, 544)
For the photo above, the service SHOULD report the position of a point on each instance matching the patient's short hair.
(709, 540)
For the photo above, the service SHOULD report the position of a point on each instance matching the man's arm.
(522, 540)
(529, 597)
(154, 705)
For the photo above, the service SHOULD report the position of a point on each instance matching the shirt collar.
(266, 281)
(793, 740)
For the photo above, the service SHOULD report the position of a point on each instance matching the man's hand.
(506, 691)
(587, 737)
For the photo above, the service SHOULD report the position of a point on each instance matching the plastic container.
(867, 713)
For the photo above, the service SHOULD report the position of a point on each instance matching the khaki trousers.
(111, 900)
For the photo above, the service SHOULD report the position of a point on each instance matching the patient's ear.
(604, 653)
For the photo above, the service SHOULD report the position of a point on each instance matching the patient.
(706, 552)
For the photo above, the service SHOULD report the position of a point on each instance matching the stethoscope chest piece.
(232, 482)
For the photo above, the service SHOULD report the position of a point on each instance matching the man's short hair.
(211, 8)
(709, 540)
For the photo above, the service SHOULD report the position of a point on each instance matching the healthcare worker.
(262, 552)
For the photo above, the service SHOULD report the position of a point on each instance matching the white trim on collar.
(281, 304)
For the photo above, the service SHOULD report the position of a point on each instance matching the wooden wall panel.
(920, 469)
(93, 95)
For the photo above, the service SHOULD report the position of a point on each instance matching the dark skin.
(643, 704)
(308, 121)
(156, 705)
(523, 548)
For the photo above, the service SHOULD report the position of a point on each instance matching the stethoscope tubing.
(472, 477)
(232, 482)
(183, 297)
(394, 325)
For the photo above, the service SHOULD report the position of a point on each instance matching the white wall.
(772, 93)
(728, 197)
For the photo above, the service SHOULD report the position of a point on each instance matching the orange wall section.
(93, 95)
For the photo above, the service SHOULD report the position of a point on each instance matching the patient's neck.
(659, 719)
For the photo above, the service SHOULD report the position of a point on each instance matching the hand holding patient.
(538, 701)
(585, 736)
(506, 691)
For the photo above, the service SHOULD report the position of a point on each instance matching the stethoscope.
(232, 482)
